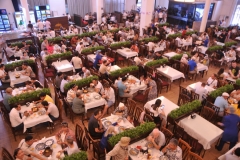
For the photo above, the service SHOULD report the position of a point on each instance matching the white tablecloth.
(155, 154)
(91, 57)
(34, 119)
(229, 78)
(56, 147)
(114, 68)
(169, 55)
(169, 105)
(14, 80)
(201, 67)
(220, 43)
(171, 73)
(63, 66)
(113, 119)
(229, 59)
(135, 87)
(198, 84)
(94, 102)
(126, 52)
(199, 128)
(202, 49)
(223, 157)
(157, 49)
(237, 38)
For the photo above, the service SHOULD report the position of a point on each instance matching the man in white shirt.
(138, 60)
(52, 33)
(63, 82)
(151, 46)
(212, 81)
(86, 17)
(52, 110)
(104, 19)
(77, 63)
(160, 16)
(10, 51)
(109, 96)
(201, 91)
(16, 118)
(86, 72)
(40, 25)
(79, 47)
(47, 24)
(98, 86)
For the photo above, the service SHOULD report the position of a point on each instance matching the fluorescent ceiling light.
(185, 0)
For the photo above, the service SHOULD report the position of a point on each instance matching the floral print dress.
(153, 92)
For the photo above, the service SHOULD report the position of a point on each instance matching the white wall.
(228, 8)
(58, 7)
(130, 4)
(217, 11)
(7, 4)
(162, 3)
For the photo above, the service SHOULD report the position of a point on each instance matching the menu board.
(4, 20)
(42, 12)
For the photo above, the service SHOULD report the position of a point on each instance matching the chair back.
(137, 114)
(168, 134)
(194, 156)
(147, 118)
(148, 112)
(79, 132)
(146, 94)
(60, 109)
(185, 148)
(131, 106)
(207, 113)
(196, 146)
(6, 155)
(178, 131)
(183, 99)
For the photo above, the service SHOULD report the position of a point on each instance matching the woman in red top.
(134, 48)
(50, 48)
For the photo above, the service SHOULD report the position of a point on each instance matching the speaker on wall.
(16, 5)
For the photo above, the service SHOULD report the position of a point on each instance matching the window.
(236, 18)
(139, 3)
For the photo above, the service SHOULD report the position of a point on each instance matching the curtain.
(114, 5)
(80, 7)
(33, 3)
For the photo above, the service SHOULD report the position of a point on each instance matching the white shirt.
(231, 157)
(151, 45)
(104, 20)
(137, 60)
(79, 48)
(48, 24)
(69, 95)
(86, 17)
(40, 25)
(201, 91)
(73, 150)
(15, 118)
(53, 110)
(110, 94)
(100, 87)
(10, 51)
(160, 15)
(63, 82)
(52, 34)
(1, 73)
(211, 82)
(77, 62)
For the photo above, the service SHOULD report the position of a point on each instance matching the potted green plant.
(229, 44)
(82, 155)
(150, 39)
(120, 44)
(91, 50)
(28, 96)
(173, 36)
(179, 56)
(13, 65)
(55, 57)
(136, 133)
(20, 45)
(157, 62)
(124, 71)
(190, 33)
(80, 83)
(214, 48)
(218, 92)
(88, 34)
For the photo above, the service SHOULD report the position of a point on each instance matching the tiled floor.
(7, 140)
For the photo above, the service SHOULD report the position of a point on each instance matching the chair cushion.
(165, 83)
(139, 97)
(49, 74)
(49, 70)
(121, 58)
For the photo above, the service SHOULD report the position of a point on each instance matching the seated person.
(51, 110)
(122, 89)
(201, 91)
(104, 68)
(231, 53)
(139, 60)
(71, 148)
(19, 155)
(44, 97)
(196, 57)
(236, 94)
(184, 59)
(121, 110)
(98, 86)
(157, 56)
(16, 118)
(134, 48)
(64, 81)
(25, 56)
(192, 65)
(172, 150)
(78, 104)
(37, 86)
(157, 138)
(3, 74)
(157, 111)
(150, 55)
(7, 96)
(107, 134)
(109, 96)
(97, 59)
(25, 145)
(234, 155)
(86, 72)
(27, 70)
(58, 79)
(63, 133)
(71, 94)
(234, 70)
(222, 103)
(212, 81)
(95, 127)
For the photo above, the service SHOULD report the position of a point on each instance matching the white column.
(205, 15)
(99, 11)
(57, 7)
(146, 14)
(25, 10)
(130, 4)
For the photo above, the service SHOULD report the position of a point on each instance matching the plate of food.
(97, 97)
(133, 151)
(85, 91)
(17, 75)
(149, 145)
(121, 129)
(47, 152)
(107, 123)
(40, 146)
(34, 109)
(49, 142)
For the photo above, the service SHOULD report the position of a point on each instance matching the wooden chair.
(178, 131)
(131, 106)
(89, 137)
(185, 148)
(161, 83)
(81, 140)
(137, 115)
(142, 97)
(183, 99)
(118, 57)
(207, 113)
(117, 98)
(193, 156)
(148, 118)
(196, 146)
(168, 134)
(192, 75)
(6, 155)
(97, 150)
(216, 117)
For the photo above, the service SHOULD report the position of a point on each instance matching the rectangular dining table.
(171, 73)
(169, 105)
(93, 102)
(199, 128)
(14, 80)
(63, 66)
(126, 52)
(135, 87)
(169, 55)
(33, 119)
(201, 67)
